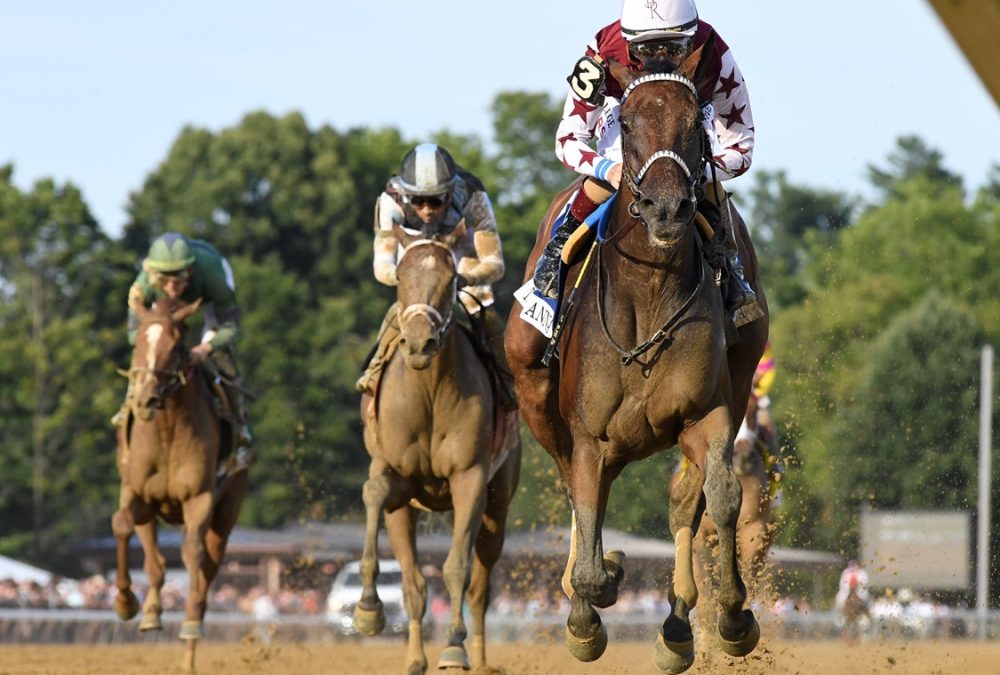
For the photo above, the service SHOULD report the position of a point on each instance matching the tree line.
(879, 308)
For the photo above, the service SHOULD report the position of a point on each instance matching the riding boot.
(546, 277)
(388, 334)
(738, 291)
(120, 418)
(245, 454)
(716, 208)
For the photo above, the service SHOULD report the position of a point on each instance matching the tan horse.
(645, 364)
(438, 441)
(167, 459)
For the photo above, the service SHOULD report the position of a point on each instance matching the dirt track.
(807, 658)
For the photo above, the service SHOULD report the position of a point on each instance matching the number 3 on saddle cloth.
(540, 311)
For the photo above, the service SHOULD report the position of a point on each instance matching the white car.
(346, 593)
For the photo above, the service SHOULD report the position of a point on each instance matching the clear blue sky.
(96, 92)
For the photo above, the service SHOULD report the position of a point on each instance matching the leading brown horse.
(167, 458)
(439, 441)
(645, 364)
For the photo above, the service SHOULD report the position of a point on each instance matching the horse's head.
(664, 144)
(160, 355)
(426, 293)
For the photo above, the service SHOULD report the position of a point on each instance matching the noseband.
(439, 323)
(693, 177)
(168, 381)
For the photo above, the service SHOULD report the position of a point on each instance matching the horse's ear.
(402, 237)
(455, 235)
(622, 73)
(697, 64)
(182, 314)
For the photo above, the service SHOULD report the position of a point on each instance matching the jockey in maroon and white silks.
(731, 126)
(651, 37)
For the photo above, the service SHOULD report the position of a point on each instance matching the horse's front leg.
(383, 490)
(156, 566)
(674, 647)
(595, 578)
(401, 528)
(123, 525)
(468, 494)
(197, 513)
(738, 629)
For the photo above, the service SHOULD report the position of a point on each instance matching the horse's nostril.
(685, 210)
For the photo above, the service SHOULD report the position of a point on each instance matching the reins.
(633, 181)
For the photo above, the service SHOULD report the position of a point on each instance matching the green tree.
(912, 158)
(791, 224)
(58, 273)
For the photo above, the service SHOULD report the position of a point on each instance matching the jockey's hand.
(200, 352)
(614, 175)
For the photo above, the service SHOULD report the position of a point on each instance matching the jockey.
(655, 37)
(188, 269)
(853, 579)
(432, 195)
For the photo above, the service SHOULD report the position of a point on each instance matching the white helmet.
(644, 20)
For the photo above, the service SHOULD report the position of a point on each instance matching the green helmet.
(170, 252)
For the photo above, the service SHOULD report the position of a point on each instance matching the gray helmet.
(428, 169)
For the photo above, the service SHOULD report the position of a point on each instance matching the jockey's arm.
(487, 266)
(387, 214)
(576, 130)
(222, 314)
(732, 123)
(140, 294)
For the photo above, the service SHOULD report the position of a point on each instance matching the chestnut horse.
(167, 458)
(644, 364)
(439, 441)
(755, 528)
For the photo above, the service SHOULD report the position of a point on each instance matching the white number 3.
(586, 80)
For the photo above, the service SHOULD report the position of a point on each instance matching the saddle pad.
(536, 309)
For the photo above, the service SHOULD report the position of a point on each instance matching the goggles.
(433, 201)
(671, 49)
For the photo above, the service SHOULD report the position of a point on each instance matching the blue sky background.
(95, 93)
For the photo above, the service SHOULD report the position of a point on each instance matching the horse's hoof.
(369, 622)
(191, 630)
(454, 656)
(150, 621)
(126, 606)
(672, 657)
(614, 563)
(746, 644)
(588, 649)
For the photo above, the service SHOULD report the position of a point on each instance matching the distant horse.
(439, 440)
(644, 363)
(168, 455)
(755, 527)
(854, 611)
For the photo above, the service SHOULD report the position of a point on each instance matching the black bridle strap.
(632, 355)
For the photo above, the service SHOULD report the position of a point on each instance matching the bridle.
(168, 380)
(633, 181)
(439, 323)
(694, 178)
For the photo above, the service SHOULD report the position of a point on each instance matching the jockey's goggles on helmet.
(670, 49)
(433, 201)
